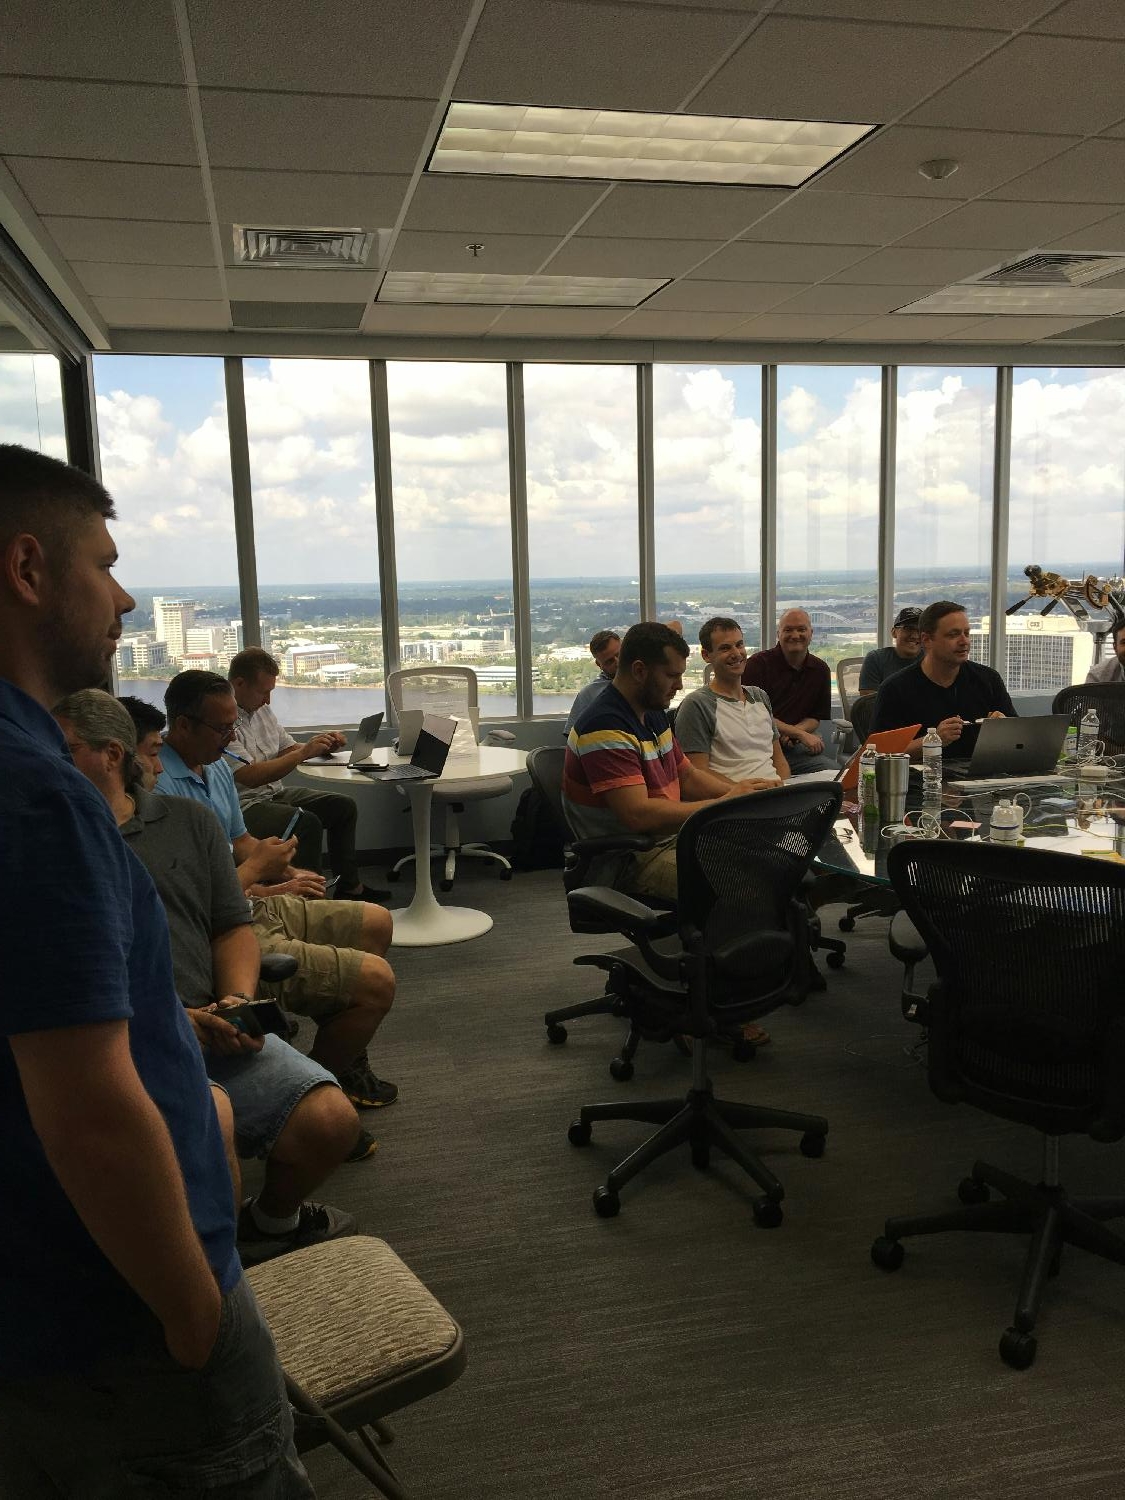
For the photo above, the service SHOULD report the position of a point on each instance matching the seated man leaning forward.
(1111, 668)
(725, 727)
(944, 690)
(885, 661)
(799, 686)
(605, 647)
(288, 1111)
(262, 752)
(344, 982)
(624, 772)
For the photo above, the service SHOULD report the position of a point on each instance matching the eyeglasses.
(224, 731)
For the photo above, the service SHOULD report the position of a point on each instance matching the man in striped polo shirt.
(624, 771)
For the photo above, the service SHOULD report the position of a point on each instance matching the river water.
(296, 706)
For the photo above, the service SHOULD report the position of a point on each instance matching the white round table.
(425, 923)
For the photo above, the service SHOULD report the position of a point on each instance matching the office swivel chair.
(848, 669)
(743, 951)
(1027, 1022)
(451, 691)
(876, 900)
(1107, 699)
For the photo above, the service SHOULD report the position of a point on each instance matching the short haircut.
(934, 613)
(1115, 630)
(98, 719)
(646, 642)
(600, 640)
(252, 664)
(146, 717)
(716, 622)
(185, 694)
(46, 499)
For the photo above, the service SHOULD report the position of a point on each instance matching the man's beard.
(72, 661)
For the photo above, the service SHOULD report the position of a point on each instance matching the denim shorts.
(140, 1424)
(264, 1088)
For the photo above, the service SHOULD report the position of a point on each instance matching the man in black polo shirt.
(799, 687)
(945, 690)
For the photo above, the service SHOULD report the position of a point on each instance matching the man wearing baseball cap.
(885, 661)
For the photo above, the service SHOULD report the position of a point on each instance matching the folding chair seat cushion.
(356, 1329)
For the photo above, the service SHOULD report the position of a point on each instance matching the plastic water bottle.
(867, 799)
(931, 768)
(1088, 734)
(1006, 823)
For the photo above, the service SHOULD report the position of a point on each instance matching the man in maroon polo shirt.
(799, 686)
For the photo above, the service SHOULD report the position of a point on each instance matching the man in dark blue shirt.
(122, 1303)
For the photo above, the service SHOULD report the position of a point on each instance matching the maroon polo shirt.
(804, 692)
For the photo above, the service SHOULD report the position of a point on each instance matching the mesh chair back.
(545, 767)
(739, 865)
(862, 713)
(1107, 699)
(435, 690)
(847, 682)
(1029, 945)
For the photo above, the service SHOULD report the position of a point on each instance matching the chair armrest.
(602, 903)
(276, 966)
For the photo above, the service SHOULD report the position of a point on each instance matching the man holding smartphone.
(122, 1302)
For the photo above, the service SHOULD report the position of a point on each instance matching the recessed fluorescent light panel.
(515, 140)
(1023, 301)
(539, 291)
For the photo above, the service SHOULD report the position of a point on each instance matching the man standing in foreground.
(945, 690)
(123, 1311)
(799, 687)
(624, 772)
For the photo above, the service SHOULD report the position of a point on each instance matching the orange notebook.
(888, 741)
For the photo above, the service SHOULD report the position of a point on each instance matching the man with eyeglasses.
(344, 981)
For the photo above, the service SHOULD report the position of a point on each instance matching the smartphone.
(289, 827)
(256, 1017)
(330, 887)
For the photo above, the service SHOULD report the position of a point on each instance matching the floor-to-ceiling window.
(31, 411)
(165, 454)
(707, 483)
(581, 439)
(452, 516)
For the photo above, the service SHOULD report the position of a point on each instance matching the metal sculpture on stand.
(1079, 596)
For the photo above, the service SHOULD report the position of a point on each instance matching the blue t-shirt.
(215, 789)
(84, 940)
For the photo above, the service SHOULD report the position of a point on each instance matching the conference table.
(426, 922)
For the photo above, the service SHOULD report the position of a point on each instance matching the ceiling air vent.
(315, 248)
(1054, 270)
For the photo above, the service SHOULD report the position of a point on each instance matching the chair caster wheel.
(505, 874)
(1018, 1349)
(701, 1157)
(393, 875)
(767, 1213)
(446, 885)
(621, 1069)
(846, 924)
(887, 1254)
(743, 1051)
(607, 1204)
(556, 1034)
(578, 1134)
(812, 1145)
(969, 1190)
(835, 960)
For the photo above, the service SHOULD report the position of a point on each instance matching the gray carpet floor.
(679, 1350)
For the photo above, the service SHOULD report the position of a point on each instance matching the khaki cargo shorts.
(323, 936)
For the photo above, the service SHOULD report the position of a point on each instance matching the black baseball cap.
(908, 616)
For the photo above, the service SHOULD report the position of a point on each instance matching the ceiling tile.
(870, 72)
(333, 199)
(282, 284)
(131, 40)
(500, 205)
(1106, 234)
(102, 121)
(889, 161)
(779, 325)
(721, 296)
(1005, 226)
(381, 318)
(177, 283)
(770, 262)
(833, 297)
(1008, 330)
(1068, 86)
(660, 258)
(914, 328)
(556, 322)
(1001, 15)
(568, 52)
(656, 211)
(156, 312)
(395, 47)
(1101, 18)
(1092, 172)
(674, 325)
(1104, 331)
(314, 132)
(132, 241)
(110, 189)
(504, 254)
(846, 219)
(918, 267)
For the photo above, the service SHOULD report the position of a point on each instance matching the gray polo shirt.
(184, 848)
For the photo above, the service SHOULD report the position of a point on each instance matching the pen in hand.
(241, 759)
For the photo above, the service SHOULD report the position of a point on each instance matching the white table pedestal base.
(425, 922)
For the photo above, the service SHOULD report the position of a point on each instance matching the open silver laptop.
(430, 752)
(1011, 750)
(359, 758)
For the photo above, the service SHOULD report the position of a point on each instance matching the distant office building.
(140, 653)
(234, 637)
(126, 662)
(173, 619)
(1043, 652)
(199, 661)
(425, 651)
(340, 674)
(307, 657)
(205, 639)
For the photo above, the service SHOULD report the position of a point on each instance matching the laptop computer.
(1011, 750)
(362, 746)
(431, 751)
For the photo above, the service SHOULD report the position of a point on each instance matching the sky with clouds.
(162, 427)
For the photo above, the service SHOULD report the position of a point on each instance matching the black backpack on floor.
(537, 843)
